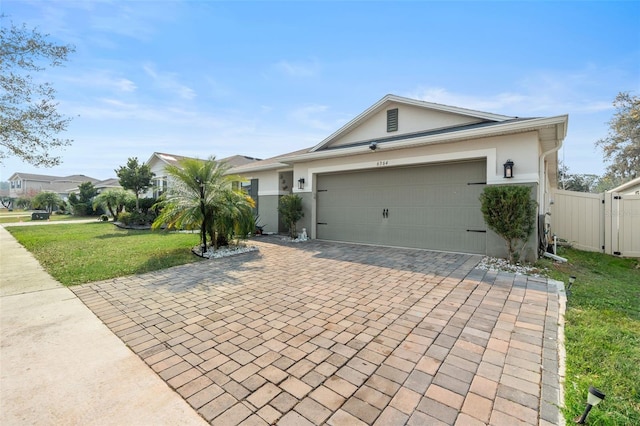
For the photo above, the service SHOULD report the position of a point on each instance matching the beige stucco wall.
(522, 149)
(270, 181)
(271, 186)
(411, 119)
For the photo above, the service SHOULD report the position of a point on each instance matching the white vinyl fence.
(608, 223)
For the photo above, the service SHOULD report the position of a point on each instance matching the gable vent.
(392, 120)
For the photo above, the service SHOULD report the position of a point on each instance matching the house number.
(382, 163)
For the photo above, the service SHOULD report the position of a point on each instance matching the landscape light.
(572, 279)
(593, 398)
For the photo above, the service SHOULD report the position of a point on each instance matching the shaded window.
(251, 188)
(392, 120)
(159, 186)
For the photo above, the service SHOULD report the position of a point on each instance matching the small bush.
(104, 218)
(290, 209)
(146, 204)
(510, 212)
(125, 218)
(136, 218)
(82, 209)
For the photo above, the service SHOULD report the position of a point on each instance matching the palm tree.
(47, 200)
(201, 195)
(112, 200)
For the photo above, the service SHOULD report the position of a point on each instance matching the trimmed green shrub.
(510, 212)
(290, 209)
(125, 218)
(136, 218)
(82, 209)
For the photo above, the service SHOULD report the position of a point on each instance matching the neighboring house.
(159, 160)
(409, 173)
(100, 186)
(104, 185)
(630, 188)
(28, 184)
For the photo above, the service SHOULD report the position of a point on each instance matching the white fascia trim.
(452, 109)
(521, 179)
(260, 168)
(489, 154)
(408, 101)
(498, 129)
(626, 185)
(154, 155)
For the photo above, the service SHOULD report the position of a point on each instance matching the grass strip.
(53, 218)
(85, 252)
(602, 335)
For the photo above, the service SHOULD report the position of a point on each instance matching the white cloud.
(538, 92)
(497, 102)
(310, 116)
(169, 81)
(298, 69)
(544, 101)
(102, 79)
(125, 85)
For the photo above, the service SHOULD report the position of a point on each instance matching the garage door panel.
(428, 207)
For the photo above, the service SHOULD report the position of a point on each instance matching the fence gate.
(608, 222)
(624, 224)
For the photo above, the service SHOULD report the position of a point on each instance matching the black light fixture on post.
(593, 398)
(301, 183)
(508, 169)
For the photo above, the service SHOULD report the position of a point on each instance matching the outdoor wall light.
(301, 183)
(593, 398)
(508, 169)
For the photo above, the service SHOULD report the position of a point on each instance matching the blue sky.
(201, 78)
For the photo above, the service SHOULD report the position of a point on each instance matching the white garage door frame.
(434, 206)
(378, 159)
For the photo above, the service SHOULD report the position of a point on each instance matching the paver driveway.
(343, 334)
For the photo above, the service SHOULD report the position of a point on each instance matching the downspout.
(541, 200)
(543, 182)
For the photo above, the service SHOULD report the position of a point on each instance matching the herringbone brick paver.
(342, 334)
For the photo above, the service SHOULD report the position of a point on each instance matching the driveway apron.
(341, 334)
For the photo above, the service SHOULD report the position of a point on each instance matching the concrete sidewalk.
(59, 364)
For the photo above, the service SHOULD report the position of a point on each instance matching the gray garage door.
(433, 207)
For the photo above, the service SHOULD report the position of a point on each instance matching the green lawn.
(602, 333)
(85, 252)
